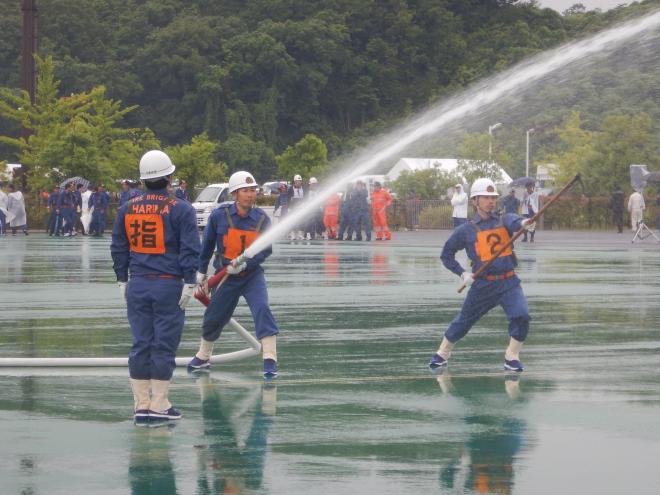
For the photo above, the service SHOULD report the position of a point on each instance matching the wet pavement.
(355, 409)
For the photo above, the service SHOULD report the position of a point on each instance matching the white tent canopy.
(444, 164)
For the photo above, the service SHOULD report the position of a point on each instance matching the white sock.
(513, 351)
(205, 350)
(445, 348)
(269, 347)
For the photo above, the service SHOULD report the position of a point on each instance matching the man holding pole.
(498, 284)
(230, 230)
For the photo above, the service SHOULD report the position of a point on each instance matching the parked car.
(208, 200)
(272, 188)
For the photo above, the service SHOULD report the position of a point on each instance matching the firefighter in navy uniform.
(483, 236)
(230, 230)
(54, 218)
(155, 238)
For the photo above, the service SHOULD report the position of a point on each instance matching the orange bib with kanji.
(145, 231)
(491, 241)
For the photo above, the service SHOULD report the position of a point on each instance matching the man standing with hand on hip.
(231, 229)
(155, 239)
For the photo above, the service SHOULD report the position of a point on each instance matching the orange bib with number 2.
(491, 241)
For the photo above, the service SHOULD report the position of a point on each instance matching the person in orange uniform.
(380, 200)
(331, 215)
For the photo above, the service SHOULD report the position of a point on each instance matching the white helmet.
(483, 187)
(312, 180)
(240, 180)
(297, 177)
(155, 164)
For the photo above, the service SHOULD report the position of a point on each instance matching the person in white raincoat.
(460, 203)
(530, 207)
(16, 209)
(636, 207)
(86, 214)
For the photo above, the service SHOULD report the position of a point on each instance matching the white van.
(208, 200)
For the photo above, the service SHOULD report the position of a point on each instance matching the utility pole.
(28, 65)
(529, 131)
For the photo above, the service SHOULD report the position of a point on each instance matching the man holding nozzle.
(231, 229)
(483, 236)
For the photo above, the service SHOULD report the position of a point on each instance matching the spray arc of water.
(462, 105)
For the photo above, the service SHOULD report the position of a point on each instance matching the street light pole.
(491, 128)
(529, 131)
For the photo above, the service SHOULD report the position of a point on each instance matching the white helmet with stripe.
(155, 164)
(240, 180)
(483, 187)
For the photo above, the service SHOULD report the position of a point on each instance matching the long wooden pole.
(538, 214)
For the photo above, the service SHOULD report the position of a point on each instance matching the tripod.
(643, 232)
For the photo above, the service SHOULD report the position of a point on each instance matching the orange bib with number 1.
(491, 241)
(236, 241)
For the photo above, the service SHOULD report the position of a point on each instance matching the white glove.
(527, 224)
(233, 269)
(186, 294)
(203, 283)
(122, 289)
(467, 278)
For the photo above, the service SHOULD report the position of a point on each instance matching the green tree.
(308, 157)
(424, 184)
(603, 157)
(73, 135)
(240, 152)
(196, 162)
(473, 159)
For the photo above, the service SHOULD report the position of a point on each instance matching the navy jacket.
(217, 227)
(465, 237)
(181, 239)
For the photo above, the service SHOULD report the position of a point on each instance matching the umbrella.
(76, 180)
(522, 181)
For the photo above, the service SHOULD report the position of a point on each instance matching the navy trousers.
(360, 220)
(224, 300)
(484, 296)
(98, 223)
(156, 326)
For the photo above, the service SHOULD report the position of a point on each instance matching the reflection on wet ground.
(355, 409)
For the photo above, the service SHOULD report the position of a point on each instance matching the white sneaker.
(309, 236)
(300, 236)
(67, 235)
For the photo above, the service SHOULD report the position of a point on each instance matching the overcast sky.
(561, 5)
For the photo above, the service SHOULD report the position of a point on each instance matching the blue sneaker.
(437, 361)
(197, 364)
(513, 365)
(170, 414)
(141, 417)
(270, 368)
